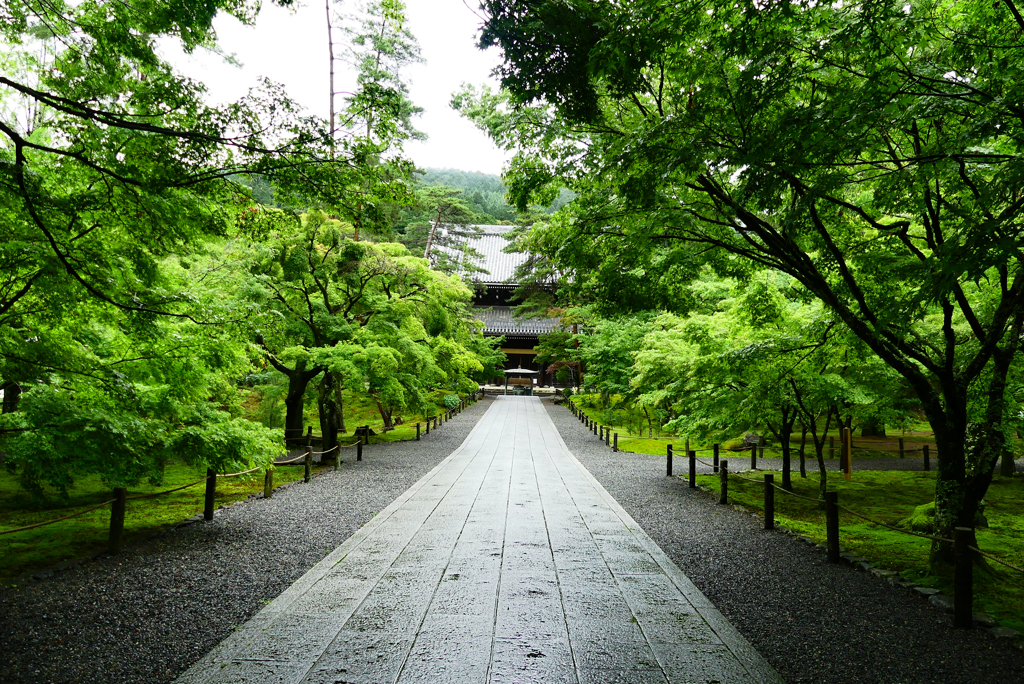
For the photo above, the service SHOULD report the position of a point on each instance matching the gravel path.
(814, 622)
(150, 613)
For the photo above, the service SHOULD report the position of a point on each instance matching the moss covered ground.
(892, 496)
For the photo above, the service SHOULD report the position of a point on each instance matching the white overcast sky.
(290, 47)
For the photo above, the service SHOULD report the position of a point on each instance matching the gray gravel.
(813, 621)
(150, 613)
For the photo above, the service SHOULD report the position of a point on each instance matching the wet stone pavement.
(506, 563)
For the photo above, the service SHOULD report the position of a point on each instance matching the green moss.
(922, 519)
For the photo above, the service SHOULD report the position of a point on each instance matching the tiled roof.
(498, 320)
(500, 266)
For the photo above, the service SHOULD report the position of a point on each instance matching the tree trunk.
(819, 451)
(339, 395)
(803, 453)
(12, 395)
(959, 487)
(298, 379)
(787, 468)
(783, 435)
(328, 405)
(330, 57)
(385, 415)
(873, 427)
(430, 235)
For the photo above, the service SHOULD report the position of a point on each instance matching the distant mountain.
(483, 192)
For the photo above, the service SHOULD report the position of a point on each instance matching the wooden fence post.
(832, 526)
(846, 463)
(308, 462)
(607, 436)
(963, 580)
(615, 445)
(714, 458)
(417, 432)
(117, 520)
(268, 483)
(723, 475)
(211, 490)
(359, 449)
(753, 457)
(668, 462)
(769, 501)
(927, 457)
(902, 454)
(692, 455)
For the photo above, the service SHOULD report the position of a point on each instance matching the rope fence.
(963, 550)
(50, 522)
(120, 499)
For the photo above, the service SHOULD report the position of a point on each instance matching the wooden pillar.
(211, 491)
(117, 509)
(846, 463)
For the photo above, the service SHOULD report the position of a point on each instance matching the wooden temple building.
(493, 305)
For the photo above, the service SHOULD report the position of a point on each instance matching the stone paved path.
(506, 563)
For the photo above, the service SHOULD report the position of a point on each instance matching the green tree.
(376, 119)
(557, 350)
(869, 150)
(450, 225)
(369, 315)
(110, 162)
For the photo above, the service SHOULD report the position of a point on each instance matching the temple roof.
(498, 320)
(500, 265)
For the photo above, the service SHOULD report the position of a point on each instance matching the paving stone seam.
(747, 655)
(558, 579)
(469, 512)
(501, 569)
(560, 447)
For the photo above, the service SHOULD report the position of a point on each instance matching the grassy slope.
(890, 497)
(360, 409)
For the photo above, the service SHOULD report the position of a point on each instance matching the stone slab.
(507, 563)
